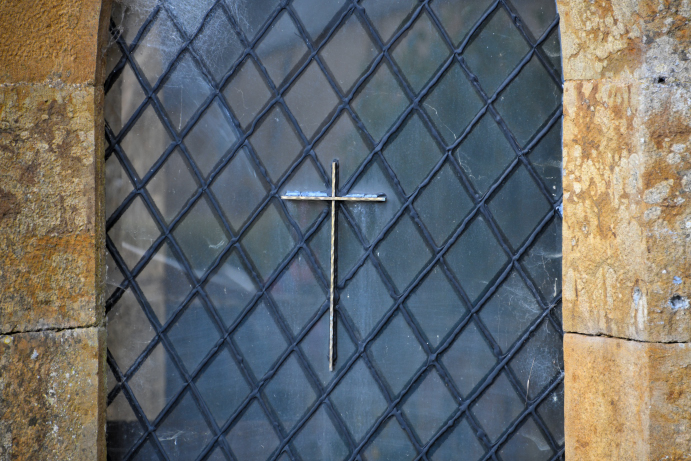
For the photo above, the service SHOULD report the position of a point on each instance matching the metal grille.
(142, 438)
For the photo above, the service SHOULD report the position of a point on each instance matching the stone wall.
(627, 228)
(52, 337)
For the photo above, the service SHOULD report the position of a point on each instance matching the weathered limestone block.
(627, 210)
(626, 39)
(627, 400)
(52, 395)
(52, 40)
(51, 200)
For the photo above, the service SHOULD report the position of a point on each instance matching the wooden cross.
(333, 198)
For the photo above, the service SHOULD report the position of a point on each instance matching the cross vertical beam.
(333, 198)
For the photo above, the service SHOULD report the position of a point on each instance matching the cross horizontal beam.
(344, 198)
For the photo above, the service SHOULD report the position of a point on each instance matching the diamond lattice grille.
(450, 107)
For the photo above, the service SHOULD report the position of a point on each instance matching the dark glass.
(460, 441)
(380, 102)
(123, 99)
(536, 14)
(312, 346)
(183, 91)
(371, 218)
(484, 154)
(155, 382)
(173, 186)
(193, 334)
(281, 49)
(189, 15)
(216, 57)
(529, 100)
(543, 261)
(183, 433)
(436, 307)
(210, 138)
(459, 17)
(319, 439)
(498, 407)
(164, 282)
(469, 359)
(428, 406)
(476, 258)
(201, 236)
(527, 443)
(251, 20)
(247, 93)
(349, 247)
(134, 232)
(540, 360)
(297, 293)
(117, 184)
(519, 206)
(123, 429)
(452, 104)
(290, 393)
(443, 204)
(495, 51)
(397, 353)
(276, 142)
(157, 48)
(127, 320)
(412, 153)
(252, 437)
(551, 410)
(545, 158)
(230, 288)
(358, 400)
(260, 356)
(239, 189)
(145, 141)
(365, 299)
(420, 52)
(387, 15)
(344, 142)
(129, 18)
(403, 266)
(510, 311)
(311, 84)
(222, 386)
(552, 48)
(306, 177)
(349, 53)
(390, 444)
(270, 227)
(317, 16)
(147, 453)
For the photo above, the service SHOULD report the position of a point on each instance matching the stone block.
(626, 39)
(49, 40)
(52, 395)
(627, 210)
(626, 400)
(51, 212)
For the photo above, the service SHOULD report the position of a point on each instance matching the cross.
(333, 198)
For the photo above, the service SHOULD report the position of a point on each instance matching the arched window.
(443, 269)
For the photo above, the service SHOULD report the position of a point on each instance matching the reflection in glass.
(412, 153)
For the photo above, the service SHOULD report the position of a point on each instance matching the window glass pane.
(447, 300)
